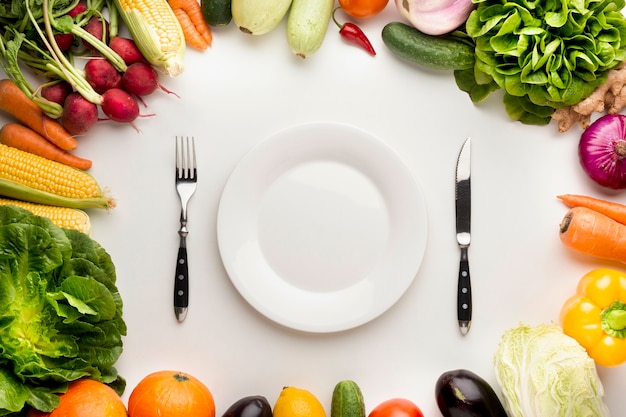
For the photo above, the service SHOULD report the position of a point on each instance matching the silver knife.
(463, 199)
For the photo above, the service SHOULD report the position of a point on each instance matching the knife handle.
(181, 281)
(464, 293)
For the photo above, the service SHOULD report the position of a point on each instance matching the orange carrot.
(611, 209)
(15, 102)
(196, 30)
(590, 232)
(26, 139)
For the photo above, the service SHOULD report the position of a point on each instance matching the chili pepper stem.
(614, 319)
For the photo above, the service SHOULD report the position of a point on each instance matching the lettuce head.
(60, 312)
(545, 373)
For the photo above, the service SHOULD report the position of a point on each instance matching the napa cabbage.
(542, 372)
(60, 312)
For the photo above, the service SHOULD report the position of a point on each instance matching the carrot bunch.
(594, 227)
(195, 28)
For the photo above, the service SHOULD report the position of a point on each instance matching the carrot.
(15, 102)
(611, 209)
(195, 28)
(590, 232)
(26, 139)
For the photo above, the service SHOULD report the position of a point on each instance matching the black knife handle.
(464, 292)
(181, 281)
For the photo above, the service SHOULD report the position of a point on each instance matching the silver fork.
(186, 180)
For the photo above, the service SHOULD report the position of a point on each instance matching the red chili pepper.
(353, 34)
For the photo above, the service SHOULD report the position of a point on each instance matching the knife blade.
(463, 200)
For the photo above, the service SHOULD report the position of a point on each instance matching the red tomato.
(396, 407)
(363, 8)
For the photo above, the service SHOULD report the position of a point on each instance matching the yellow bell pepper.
(596, 316)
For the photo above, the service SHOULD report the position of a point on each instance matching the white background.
(243, 90)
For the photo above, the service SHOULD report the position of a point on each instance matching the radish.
(64, 41)
(97, 27)
(119, 105)
(102, 75)
(140, 79)
(127, 49)
(57, 92)
(80, 7)
(79, 114)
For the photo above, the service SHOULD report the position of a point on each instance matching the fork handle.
(181, 283)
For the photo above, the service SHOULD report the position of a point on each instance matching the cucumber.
(347, 400)
(258, 17)
(438, 52)
(216, 12)
(307, 25)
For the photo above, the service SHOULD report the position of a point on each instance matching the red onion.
(602, 151)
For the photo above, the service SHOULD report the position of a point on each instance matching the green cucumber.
(444, 52)
(347, 400)
(307, 25)
(216, 12)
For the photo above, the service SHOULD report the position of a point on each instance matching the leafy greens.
(544, 54)
(543, 372)
(60, 312)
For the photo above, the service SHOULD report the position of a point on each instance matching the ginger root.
(609, 97)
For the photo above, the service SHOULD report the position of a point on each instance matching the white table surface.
(243, 90)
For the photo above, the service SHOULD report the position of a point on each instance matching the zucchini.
(307, 25)
(347, 400)
(444, 52)
(216, 12)
(258, 17)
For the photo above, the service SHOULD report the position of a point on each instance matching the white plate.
(322, 227)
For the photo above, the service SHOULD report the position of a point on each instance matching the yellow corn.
(156, 31)
(28, 177)
(60, 216)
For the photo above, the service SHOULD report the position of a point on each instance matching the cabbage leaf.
(543, 372)
(60, 312)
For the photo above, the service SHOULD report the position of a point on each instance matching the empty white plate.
(322, 227)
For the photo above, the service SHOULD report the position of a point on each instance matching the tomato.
(363, 8)
(396, 407)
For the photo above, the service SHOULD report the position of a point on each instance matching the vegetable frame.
(596, 315)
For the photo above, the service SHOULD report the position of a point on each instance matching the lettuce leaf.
(60, 312)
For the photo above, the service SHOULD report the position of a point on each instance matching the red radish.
(80, 7)
(79, 114)
(102, 75)
(119, 105)
(64, 41)
(140, 79)
(98, 28)
(127, 49)
(57, 93)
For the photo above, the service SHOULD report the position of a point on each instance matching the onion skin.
(435, 17)
(602, 151)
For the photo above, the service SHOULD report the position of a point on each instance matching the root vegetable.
(15, 102)
(195, 29)
(102, 75)
(119, 105)
(26, 139)
(140, 79)
(64, 41)
(127, 49)
(57, 92)
(98, 27)
(81, 7)
(79, 114)
(611, 209)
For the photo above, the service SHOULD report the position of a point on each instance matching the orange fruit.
(86, 398)
(171, 394)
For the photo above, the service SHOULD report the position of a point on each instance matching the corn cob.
(29, 177)
(61, 216)
(156, 31)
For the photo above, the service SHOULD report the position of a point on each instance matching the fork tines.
(185, 157)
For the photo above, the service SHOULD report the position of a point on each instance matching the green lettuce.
(60, 312)
(543, 372)
(544, 54)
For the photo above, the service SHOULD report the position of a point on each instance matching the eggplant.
(251, 406)
(462, 393)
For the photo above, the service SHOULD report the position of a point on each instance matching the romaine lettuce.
(543, 372)
(60, 312)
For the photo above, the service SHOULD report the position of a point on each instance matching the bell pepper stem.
(614, 319)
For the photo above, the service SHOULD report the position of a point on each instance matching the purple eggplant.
(252, 406)
(462, 393)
